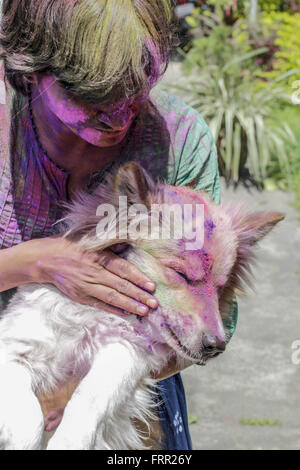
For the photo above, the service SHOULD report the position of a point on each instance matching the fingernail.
(143, 309)
(152, 303)
(150, 286)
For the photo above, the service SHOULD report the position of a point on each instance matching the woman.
(77, 102)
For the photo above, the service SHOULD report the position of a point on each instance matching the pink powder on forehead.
(197, 265)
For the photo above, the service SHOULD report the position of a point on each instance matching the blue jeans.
(173, 414)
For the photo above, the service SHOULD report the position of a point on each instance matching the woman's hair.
(98, 50)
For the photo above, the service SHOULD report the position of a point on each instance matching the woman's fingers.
(103, 279)
(125, 269)
(125, 287)
(112, 297)
(93, 302)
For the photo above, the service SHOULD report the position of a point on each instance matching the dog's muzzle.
(212, 345)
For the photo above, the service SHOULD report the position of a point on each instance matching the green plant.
(271, 5)
(277, 177)
(241, 116)
(223, 8)
(285, 28)
(239, 89)
(209, 27)
(279, 5)
(192, 419)
(219, 47)
(260, 422)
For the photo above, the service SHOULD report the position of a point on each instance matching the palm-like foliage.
(241, 116)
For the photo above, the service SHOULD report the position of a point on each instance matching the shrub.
(278, 177)
(285, 28)
(241, 116)
(235, 86)
(218, 47)
(271, 5)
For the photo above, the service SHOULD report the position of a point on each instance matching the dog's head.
(195, 280)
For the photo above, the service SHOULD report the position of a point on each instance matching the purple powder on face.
(209, 226)
(150, 347)
(206, 262)
(209, 291)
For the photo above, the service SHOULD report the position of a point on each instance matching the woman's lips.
(114, 135)
(111, 135)
(109, 132)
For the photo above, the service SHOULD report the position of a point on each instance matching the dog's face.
(195, 283)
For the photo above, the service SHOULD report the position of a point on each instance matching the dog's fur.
(46, 338)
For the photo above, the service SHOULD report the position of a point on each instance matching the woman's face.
(102, 126)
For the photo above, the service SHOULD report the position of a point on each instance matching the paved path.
(255, 378)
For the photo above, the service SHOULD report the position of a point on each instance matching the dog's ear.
(249, 228)
(253, 227)
(132, 181)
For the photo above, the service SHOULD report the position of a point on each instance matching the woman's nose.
(116, 120)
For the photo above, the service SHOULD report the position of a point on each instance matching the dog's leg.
(111, 381)
(21, 418)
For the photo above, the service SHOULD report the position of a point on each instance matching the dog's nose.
(212, 343)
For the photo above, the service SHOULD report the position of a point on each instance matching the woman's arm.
(18, 265)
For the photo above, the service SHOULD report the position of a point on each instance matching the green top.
(169, 139)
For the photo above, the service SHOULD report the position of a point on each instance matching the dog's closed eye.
(183, 276)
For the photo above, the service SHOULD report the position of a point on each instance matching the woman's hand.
(101, 279)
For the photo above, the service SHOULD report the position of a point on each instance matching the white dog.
(46, 338)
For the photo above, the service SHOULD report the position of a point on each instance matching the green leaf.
(270, 184)
(192, 21)
(236, 152)
(260, 422)
(192, 419)
(216, 123)
(228, 139)
(245, 57)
